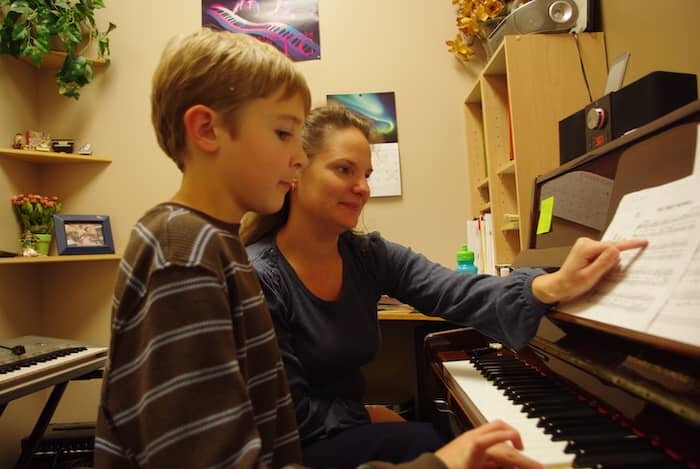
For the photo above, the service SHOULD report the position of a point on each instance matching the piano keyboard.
(46, 359)
(558, 427)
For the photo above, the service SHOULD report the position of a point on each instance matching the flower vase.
(43, 241)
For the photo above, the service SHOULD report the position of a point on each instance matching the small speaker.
(572, 138)
(621, 111)
(541, 16)
(636, 104)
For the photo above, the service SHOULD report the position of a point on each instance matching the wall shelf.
(59, 259)
(49, 157)
(54, 60)
(508, 168)
(510, 226)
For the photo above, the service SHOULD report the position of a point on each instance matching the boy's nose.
(299, 158)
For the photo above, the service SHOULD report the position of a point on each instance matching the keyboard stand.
(86, 370)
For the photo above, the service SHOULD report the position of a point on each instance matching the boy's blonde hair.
(221, 70)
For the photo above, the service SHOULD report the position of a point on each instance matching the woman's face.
(333, 188)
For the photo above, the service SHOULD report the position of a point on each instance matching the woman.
(322, 282)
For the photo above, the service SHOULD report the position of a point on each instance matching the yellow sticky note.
(544, 224)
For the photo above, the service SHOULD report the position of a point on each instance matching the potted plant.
(35, 214)
(28, 27)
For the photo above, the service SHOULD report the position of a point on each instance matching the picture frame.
(83, 234)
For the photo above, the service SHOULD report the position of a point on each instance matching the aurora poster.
(380, 108)
(289, 25)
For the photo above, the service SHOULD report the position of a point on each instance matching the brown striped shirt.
(195, 376)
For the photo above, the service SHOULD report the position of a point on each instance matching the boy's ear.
(199, 126)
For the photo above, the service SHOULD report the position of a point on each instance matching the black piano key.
(541, 409)
(569, 422)
(607, 446)
(579, 411)
(584, 435)
(541, 396)
(650, 457)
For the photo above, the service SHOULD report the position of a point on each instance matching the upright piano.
(584, 394)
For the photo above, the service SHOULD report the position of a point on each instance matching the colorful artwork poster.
(289, 25)
(385, 180)
(379, 107)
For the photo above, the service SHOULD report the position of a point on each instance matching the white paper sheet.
(654, 290)
(386, 175)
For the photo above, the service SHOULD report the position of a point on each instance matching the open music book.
(656, 290)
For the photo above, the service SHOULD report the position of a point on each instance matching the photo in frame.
(83, 234)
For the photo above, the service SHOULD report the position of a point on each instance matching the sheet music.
(655, 289)
(680, 317)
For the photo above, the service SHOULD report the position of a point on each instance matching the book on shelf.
(474, 242)
(487, 244)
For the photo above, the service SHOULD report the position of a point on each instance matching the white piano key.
(490, 404)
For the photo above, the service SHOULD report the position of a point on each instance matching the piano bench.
(382, 414)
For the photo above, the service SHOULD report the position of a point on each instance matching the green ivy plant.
(28, 25)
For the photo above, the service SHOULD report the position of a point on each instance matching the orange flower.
(493, 7)
(460, 48)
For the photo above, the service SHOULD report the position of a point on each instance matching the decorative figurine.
(18, 142)
(85, 149)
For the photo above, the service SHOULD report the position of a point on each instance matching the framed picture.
(83, 234)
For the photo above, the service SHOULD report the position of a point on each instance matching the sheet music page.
(653, 290)
(680, 317)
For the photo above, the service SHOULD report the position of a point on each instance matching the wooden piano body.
(648, 392)
(611, 397)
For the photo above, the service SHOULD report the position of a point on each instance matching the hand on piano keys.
(486, 446)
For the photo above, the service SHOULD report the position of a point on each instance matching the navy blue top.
(325, 343)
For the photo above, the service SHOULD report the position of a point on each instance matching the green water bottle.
(465, 261)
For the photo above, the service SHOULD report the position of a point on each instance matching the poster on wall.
(380, 108)
(289, 25)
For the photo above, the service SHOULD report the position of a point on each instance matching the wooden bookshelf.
(530, 83)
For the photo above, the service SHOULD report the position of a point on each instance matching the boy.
(195, 376)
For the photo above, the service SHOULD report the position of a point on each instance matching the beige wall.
(658, 35)
(367, 45)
